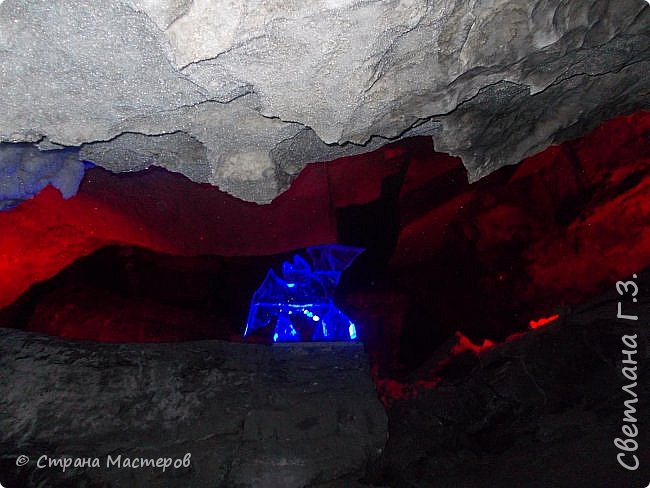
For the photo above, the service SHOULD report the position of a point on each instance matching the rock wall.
(244, 94)
(538, 411)
(25, 171)
(250, 416)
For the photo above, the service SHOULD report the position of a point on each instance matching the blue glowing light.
(353, 331)
(306, 287)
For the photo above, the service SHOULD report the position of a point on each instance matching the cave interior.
(430, 288)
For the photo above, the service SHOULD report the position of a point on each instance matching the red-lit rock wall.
(167, 212)
(482, 259)
(527, 240)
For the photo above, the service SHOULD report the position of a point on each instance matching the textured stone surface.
(265, 87)
(540, 411)
(251, 416)
(25, 171)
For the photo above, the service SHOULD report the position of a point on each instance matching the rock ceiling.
(243, 94)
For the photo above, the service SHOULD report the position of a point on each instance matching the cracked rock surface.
(249, 415)
(244, 94)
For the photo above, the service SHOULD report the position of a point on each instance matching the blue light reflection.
(308, 289)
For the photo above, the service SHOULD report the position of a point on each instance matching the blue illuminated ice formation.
(300, 303)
